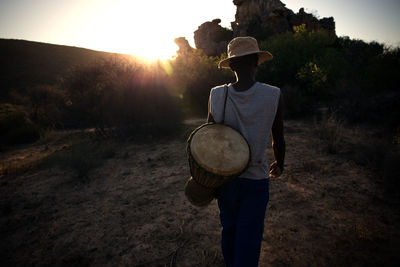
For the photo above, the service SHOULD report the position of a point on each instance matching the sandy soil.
(324, 211)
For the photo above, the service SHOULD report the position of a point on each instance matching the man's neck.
(243, 83)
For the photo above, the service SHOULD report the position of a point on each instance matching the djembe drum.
(217, 153)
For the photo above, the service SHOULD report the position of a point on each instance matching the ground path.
(324, 211)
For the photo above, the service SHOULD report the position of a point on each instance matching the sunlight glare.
(133, 27)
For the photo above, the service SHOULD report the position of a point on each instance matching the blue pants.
(242, 204)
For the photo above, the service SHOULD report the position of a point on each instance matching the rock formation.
(259, 18)
(259, 11)
(184, 46)
(212, 38)
(274, 18)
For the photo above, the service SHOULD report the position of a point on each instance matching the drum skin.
(217, 153)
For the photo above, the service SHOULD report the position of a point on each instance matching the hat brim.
(262, 57)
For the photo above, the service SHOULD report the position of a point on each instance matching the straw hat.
(242, 46)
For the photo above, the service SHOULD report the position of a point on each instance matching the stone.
(261, 19)
(270, 17)
(212, 38)
(184, 46)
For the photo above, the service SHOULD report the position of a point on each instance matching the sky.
(148, 27)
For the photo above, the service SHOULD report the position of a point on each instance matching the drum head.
(220, 149)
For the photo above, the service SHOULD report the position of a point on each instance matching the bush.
(122, 94)
(330, 131)
(47, 104)
(15, 126)
(314, 69)
(195, 74)
(292, 51)
(305, 66)
(44, 103)
(296, 103)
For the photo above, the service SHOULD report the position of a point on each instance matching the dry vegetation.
(113, 203)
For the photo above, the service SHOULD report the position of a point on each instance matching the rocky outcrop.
(248, 12)
(314, 24)
(259, 18)
(212, 38)
(255, 17)
(184, 46)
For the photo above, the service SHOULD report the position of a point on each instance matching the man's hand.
(274, 170)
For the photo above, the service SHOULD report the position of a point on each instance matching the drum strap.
(226, 96)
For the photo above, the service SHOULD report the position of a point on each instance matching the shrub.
(291, 52)
(47, 105)
(195, 74)
(330, 131)
(122, 94)
(305, 66)
(15, 126)
(296, 102)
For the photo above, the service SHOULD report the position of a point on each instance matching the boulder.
(270, 17)
(260, 19)
(184, 46)
(212, 38)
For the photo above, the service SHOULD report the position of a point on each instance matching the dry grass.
(330, 131)
(81, 157)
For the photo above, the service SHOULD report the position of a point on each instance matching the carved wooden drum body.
(217, 153)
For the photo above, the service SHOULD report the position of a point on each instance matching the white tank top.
(252, 113)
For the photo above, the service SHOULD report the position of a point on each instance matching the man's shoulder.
(269, 88)
(218, 89)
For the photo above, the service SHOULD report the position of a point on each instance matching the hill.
(27, 63)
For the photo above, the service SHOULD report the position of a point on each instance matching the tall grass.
(330, 131)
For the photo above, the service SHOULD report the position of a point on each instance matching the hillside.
(27, 63)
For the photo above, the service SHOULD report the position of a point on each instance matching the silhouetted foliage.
(15, 125)
(256, 30)
(223, 34)
(122, 94)
(314, 69)
(55, 86)
(27, 64)
(44, 103)
(194, 75)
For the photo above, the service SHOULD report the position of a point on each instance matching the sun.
(134, 28)
(153, 49)
(149, 47)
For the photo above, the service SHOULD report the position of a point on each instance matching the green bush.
(358, 79)
(305, 66)
(296, 102)
(15, 126)
(369, 92)
(291, 52)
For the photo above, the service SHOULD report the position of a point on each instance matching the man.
(254, 109)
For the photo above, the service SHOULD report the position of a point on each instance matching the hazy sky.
(148, 27)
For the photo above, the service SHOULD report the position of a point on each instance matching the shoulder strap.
(226, 96)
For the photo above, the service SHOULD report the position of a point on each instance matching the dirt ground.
(324, 211)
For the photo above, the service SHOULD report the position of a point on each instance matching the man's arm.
(278, 139)
(210, 118)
